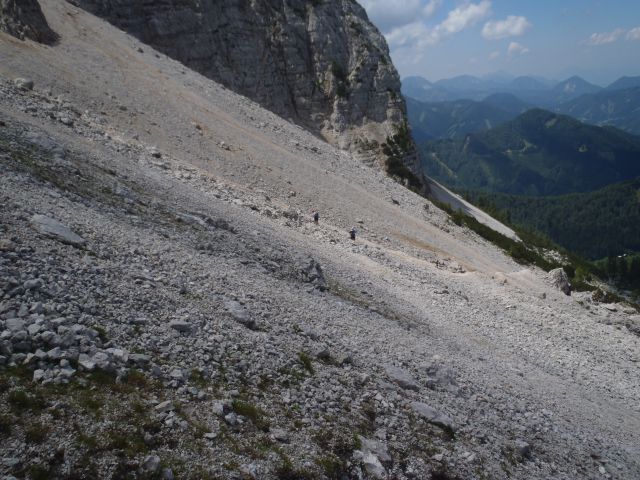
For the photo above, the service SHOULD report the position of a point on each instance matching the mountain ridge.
(537, 153)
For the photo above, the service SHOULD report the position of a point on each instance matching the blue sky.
(596, 39)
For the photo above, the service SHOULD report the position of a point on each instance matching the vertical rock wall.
(24, 19)
(320, 63)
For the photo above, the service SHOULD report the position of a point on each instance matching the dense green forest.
(596, 224)
(623, 270)
(538, 153)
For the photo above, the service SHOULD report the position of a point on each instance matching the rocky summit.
(170, 309)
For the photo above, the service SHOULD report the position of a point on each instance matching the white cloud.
(419, 35)
(633, 34)
(494, 55)
(390, 14)
(604, 38)
(512, 26)
(516, 49)
(464, 16)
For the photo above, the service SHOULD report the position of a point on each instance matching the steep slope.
(195, 331)
(538, 153)
(322, 64)
(617, 107)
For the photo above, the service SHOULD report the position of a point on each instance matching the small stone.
(151, 464)
(218, 408)
(6, 245)
(54, 354)
(167, 474)
(523, 448)
(240, 314)
(431, 415)
(14, 324)
(86, 362)
(38, 375)
(164, 407)
(23, 83)
(180, 326)
(373, 467)
(280, 435)
(35, 284)
(402, 378)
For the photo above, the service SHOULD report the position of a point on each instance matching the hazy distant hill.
(572, 88)
(507, 102)
(533, 90)
(436, 120)
(422, 89)
(593, 224)
(538, 153)
(624, 83)
(620, 108)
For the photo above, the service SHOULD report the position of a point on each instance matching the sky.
(596, 39)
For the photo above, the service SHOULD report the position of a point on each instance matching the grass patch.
(88, 441)
(36, 433)
(102, 333)
(287, 471)
(20, 401)
(197, 378)
(89, 402)
(306, 362)
(253, 413)
(6, 423)
(39, 472)
(333, 467)
(131, 443)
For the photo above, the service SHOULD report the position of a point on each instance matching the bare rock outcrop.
(322, 64)
(24, 19)
(560, 280)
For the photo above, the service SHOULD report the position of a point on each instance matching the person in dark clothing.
(353, 232)
(316, 217)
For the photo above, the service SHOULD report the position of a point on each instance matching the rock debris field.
(168, 308)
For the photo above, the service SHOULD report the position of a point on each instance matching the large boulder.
(52, 228)
(560, 280)
(433, 416)
(311, 272)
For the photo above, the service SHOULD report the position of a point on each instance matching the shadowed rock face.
(24, 19)
(319, 63)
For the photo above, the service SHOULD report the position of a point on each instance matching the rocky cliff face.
(320, 63)
(24, 19)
